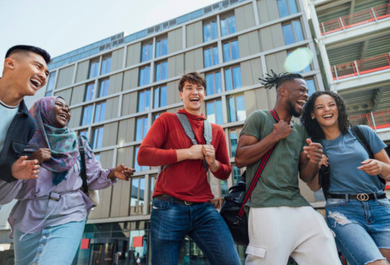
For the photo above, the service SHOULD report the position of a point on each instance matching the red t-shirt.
(185, 180)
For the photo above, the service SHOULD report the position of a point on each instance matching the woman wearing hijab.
(49, 218)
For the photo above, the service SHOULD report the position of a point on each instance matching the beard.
(293, 111)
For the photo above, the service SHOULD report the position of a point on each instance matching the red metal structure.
(361, 67)
(354, 20)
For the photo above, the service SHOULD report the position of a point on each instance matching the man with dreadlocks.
(281, 221)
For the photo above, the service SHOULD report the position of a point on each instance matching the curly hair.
(273, 79)
(193, 78)
(312, 127)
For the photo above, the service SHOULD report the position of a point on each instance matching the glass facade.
(228, 25)
(213, 83)
(90, 91)
(287, 7)
(160, 97)
(233, 78)
(161, 47)
(292, 32)
(93, 68)
(103, 87)
(50, 84)
(230, 51)
(161, 71)
(144, 100)
(210, 31)
(211, 56)
(147, 52)
(214, 111)
(144, 76)
(106, 65)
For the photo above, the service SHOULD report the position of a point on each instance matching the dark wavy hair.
(273, 79)
(312, 127)
(193, 78)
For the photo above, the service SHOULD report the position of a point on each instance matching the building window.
(93, 68)
(210, 31)
(230, 51)
(233, 78)
(236, 107)
(292, 32)
(160, 97)
(84, 133)
(161, 47)
(100, 111)
(98, 137)
(234, 134)
(143, 100)
(211, 56)
(213, 83)
(97, 157)
(287, 7)
(228, 25)
(161, 71)
(141, 129)
(137, 193)
(214, 111)
(50, 84)
(106, 65)
(147, 52)
(144, 76)
(87, 115)
(136, 166)
(311, 86)
(236, 173)
(156, 115)
(89, 91)
(103, 87)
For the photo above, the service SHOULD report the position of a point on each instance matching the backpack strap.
(83, 173)
(357, 132)
(362, 140)
(207, 132)
(185, 123)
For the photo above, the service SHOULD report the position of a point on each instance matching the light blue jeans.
(171, 222)
(53, 245)
(361, 228)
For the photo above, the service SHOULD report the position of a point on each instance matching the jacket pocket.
(18, 147)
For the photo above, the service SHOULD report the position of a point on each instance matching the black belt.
(360, 196)
(165, 197)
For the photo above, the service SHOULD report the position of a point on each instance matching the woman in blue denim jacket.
(357, 209)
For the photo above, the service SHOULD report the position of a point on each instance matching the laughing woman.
(357, 209)
(49, 218)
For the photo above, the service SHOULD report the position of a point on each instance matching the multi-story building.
(117, 87)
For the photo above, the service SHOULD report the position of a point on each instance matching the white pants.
(275, 233)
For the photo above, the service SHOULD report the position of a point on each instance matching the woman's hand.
(372, 167)
(42, 154)
(121, 172)
(324, 161)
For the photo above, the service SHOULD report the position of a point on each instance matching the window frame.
(230, 49)
(213, 59)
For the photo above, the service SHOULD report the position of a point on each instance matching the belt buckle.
(363, 197)
(187, 203)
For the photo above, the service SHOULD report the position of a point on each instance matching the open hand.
(25, 169)
(313, 151)
(372, 167)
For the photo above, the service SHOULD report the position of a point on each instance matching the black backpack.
(324, 173)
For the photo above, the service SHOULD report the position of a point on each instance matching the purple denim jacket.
(42, 204)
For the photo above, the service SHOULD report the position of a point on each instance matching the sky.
(62, 26)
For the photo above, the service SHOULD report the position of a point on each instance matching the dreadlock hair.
(273, 79)
(312, 127)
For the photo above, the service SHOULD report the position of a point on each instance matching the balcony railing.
(361, 67)
(350, 21)
(376, 120)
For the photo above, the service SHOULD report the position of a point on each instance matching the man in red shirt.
(181, 198)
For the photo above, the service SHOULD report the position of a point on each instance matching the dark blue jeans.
(171, 222)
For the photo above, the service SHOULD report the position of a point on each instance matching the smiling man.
(25, 72)
(281, 221)
(181, 198)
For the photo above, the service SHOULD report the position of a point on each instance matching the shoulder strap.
(185, 123)
(83, 172)
(207, 132)
(362, 140)
(258, 172)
